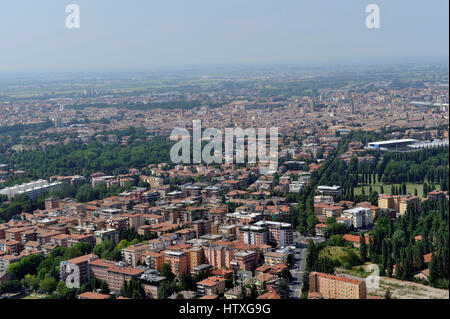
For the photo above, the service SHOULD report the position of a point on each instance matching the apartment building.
(159, 243)
(197, 257)
(245, 260)
(211, 286)
(113, 273)
(32, 189)
(178, 261)
(7, 260)
(336, 287)
(99, 267)
(86, 238)
(81, 263)
(152, 259)
(398, 202)
(436, 195)
(118, 274)
(329, 190)
(110, 234)
(2, 231)
(218, 256)
(10, 247)
(131, 254)
(51, 203)
(253, 235)
(201, 227)
(320, 199)
(360, 217)
(15, 233)
(278, 233)
(408, 200)
(273, 258)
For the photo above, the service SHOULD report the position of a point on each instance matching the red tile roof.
(210, 297)
(338, 278)
(93, 295)
(269, 295)
(427, 257)
(211, 281)
(354, 238)
(81, 259)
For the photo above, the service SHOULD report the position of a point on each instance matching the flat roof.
(405, 140)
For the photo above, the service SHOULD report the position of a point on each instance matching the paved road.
(298, 269)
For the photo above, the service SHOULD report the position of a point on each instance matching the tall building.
(196, 256)
(218, 256)
(153, 259)
(253, 235)
(352, 105)
(132, 254)
(313, 103)
(178, 261)
(280, 234)
(201, 227)
(336, 287)
(58, 122)
(51, 203)
(245, 260)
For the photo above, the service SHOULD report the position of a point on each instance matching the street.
(299, 266)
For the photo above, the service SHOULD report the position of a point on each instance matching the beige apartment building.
(398, 202)
(336, 287)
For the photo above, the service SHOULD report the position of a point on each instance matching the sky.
(158, 33)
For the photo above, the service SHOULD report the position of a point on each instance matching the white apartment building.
(360, 217)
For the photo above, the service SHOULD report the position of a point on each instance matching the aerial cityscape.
(165, 183)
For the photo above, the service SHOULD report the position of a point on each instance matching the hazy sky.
(133, 33)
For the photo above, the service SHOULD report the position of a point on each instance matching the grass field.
(34, 296)
(337, 253)
(376, 186)
(387, 188)
(359, 271)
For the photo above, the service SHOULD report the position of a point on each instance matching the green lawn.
(359, 271)
(34, 296)
(387, 188)
(336, 252)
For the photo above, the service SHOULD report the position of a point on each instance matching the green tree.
(48, 285)
(283, 288)
(362, 247)
(166, 271)
(311, 256)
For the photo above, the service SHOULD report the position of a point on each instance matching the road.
(299, 266)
